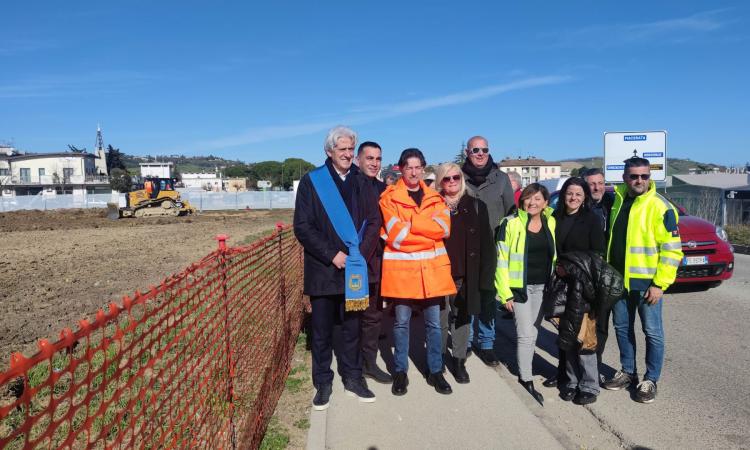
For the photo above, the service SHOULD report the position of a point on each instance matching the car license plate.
(694, 260)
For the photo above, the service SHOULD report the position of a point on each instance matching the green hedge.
(739, 234)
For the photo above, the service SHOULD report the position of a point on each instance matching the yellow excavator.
(156, 197)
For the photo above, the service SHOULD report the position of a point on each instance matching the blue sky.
(265, 81)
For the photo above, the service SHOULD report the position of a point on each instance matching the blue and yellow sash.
(355, 273)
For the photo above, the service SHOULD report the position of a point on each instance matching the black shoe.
(567, 394)
(322, 397)
(488, 357)
(437, 380)
(550, 382)
(468, 352)
(371, 370)
(620, 380)
(357, 387)
(400, 381)
(646, 392)
(584, 398)
(529, 386)
(459, 370)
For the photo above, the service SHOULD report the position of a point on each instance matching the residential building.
(531, 169)
(50, 173)
(236, 184)
(156, 169)
(206, 181)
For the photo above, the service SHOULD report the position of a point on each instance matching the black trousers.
(370, 325)
(328, 311)
(602, 332)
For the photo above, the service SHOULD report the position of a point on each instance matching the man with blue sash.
(337, 223)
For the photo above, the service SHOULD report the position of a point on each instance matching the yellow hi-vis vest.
(653, 249)
(511, 252)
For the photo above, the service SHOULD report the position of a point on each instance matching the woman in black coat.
(471, 250)
(578, 230)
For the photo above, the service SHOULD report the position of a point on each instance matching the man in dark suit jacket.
(370, 160)
(325, 260)
(601, 204)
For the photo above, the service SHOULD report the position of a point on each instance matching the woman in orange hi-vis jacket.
(416, 271)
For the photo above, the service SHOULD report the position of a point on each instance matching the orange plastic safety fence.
(198, 361)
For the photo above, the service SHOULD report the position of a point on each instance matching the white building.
(156, 169)
(531, 169)
(205, 181)
(50, 173)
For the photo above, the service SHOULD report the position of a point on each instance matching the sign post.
(621, 145)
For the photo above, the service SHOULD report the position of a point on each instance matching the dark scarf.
(477, 176)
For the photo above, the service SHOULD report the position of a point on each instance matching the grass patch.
(296, 379)
(738, 234)
(302, 424)
(302, 338)
(298, 370)
(276, 438)
(294, 385)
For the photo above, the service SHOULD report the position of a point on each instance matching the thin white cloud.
(374, 113)
(673, 30)
(66, 85)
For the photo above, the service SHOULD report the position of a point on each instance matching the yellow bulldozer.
(155, 197)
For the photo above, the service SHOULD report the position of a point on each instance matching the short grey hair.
(336, 133)
(515, 176)
(591, 172)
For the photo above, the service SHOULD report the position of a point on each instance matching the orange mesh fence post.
(222, 239)
(198, 361)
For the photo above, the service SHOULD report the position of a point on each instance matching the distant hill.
(280, 173)
(183, 164)
(674, 165)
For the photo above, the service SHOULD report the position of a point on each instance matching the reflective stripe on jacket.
(511, 252)
(653, 249)
(415, 262)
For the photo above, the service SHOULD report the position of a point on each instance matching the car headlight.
(722, 234)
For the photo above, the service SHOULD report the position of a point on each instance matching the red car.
(708, 255)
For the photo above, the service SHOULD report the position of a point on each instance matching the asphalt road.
(704, 394)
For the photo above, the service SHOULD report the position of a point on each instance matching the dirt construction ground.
(57, 267)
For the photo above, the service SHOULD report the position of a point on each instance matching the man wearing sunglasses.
(645, 247)
(489, 184)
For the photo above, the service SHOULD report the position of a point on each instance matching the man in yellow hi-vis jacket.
(645, 247)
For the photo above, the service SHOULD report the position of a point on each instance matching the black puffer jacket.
(589, 283)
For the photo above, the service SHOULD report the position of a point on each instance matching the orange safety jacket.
(415, 262)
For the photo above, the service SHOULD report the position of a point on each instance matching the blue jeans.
(623, 316)
(431, 313)
(486, 322)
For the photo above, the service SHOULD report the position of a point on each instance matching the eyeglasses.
(476, 150)
(643, 176)
(454, 178)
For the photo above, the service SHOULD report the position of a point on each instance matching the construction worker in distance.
(645, 247)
